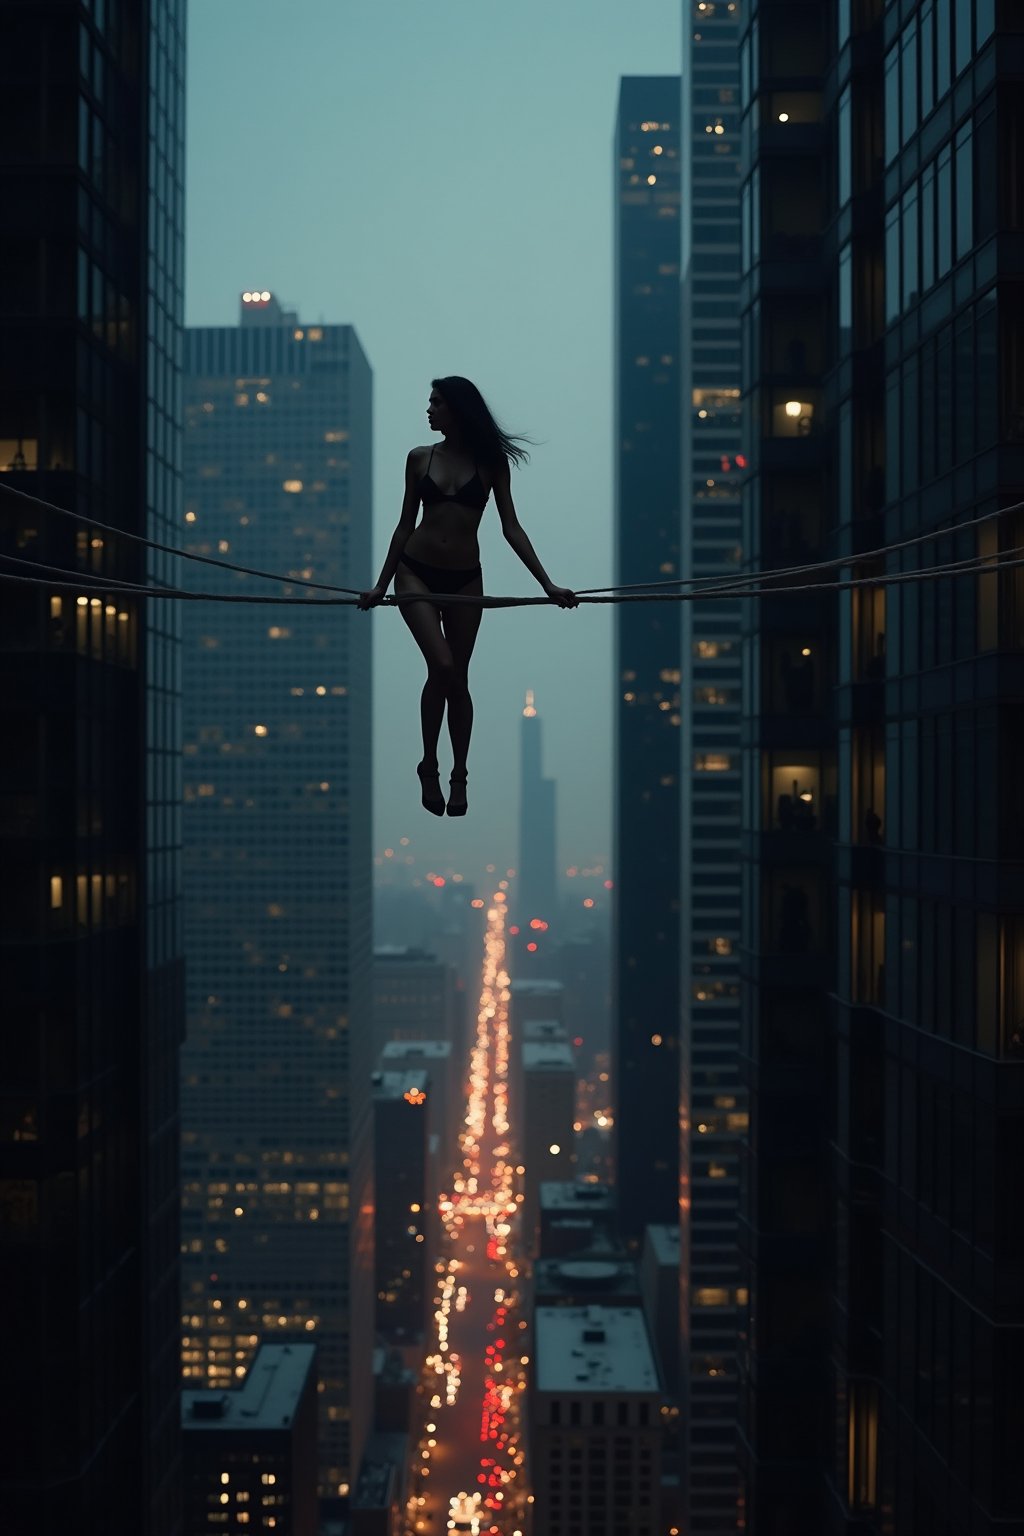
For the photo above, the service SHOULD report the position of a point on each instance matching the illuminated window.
(711, 1296)
(712, 762)
(720, 946)
(292, 486)
(18, 454)
(862, 1445)
(713, 398)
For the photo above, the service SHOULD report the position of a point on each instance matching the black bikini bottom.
(440, 578)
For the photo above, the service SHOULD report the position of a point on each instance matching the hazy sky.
(439, 174)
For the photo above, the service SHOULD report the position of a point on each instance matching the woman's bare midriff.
(445, 536)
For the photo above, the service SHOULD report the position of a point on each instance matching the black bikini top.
(472, 494)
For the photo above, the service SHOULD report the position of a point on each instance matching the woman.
(453, 479)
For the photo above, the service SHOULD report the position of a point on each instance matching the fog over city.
(438, 176)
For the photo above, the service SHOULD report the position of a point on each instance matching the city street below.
(474, 1374)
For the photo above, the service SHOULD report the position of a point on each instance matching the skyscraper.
(713, 1103)
(596, 1429)
(645, 936)
(535, 893)
(277, 1184)
(92, 152)
(884, 932)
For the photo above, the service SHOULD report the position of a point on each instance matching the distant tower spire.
(536, 883)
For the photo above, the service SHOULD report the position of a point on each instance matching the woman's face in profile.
(439, 414)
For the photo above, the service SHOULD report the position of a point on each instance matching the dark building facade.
(276, 1109)
(883, 825)
(405, 1231)
(645, 920)
(91, 165)
(712, 1099)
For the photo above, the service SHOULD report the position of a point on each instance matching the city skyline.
(654, 1176)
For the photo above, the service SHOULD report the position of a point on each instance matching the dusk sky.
(439, 175)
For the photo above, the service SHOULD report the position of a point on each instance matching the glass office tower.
(92, 136)
(712, 1098)
(645, 964)
(278, 1203)
(885, 931)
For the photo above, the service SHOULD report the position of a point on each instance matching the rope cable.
(977, 565)
(169, 549)
(720, 586)
(818, 565)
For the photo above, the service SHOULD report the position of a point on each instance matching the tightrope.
(719, 586)
(985, 565)
(169, 549)
(817, 565)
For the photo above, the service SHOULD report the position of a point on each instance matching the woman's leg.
(424, 621)
(461, 623)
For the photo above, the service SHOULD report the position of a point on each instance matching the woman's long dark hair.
(484, 437)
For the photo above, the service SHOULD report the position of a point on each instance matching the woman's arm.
(400, 537)
(517, 537)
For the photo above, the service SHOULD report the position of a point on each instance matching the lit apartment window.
(867, 946)
(862, 1446)
(711, 1296)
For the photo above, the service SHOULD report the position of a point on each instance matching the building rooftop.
(547, 1056)
(593, 1349)
(606, 1276)
(536, 986)
(268, 1399)
(543, 1029)
(381, 1471)
(570, 1195)
(664, 1240)
(395, 1085)
(408, 1050)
